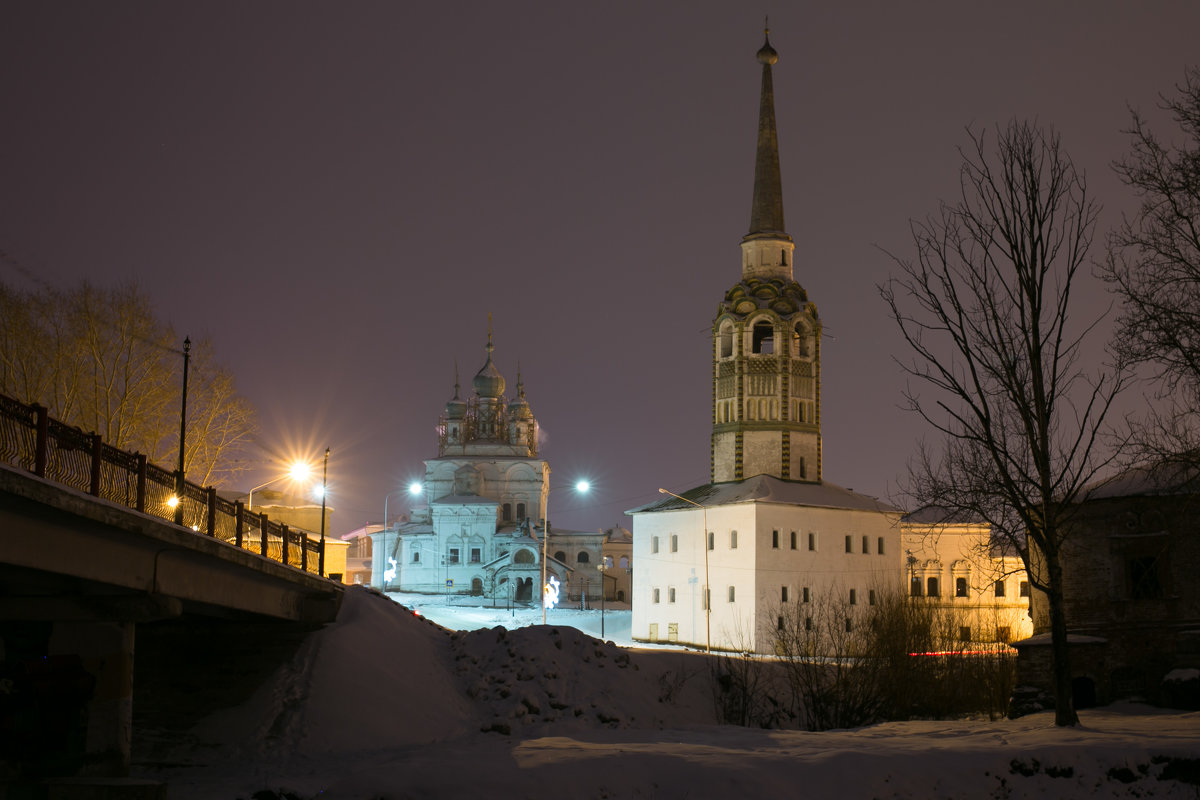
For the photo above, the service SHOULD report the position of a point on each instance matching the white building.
(481, 529)
(781, 540)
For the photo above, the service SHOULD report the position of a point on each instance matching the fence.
(50, 449)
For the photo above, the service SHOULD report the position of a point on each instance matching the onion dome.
(488, 381)
(455, 408)
(519, 408)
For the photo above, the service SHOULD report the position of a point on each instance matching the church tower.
(766, 338)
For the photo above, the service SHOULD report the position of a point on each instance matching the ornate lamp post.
(707, 589)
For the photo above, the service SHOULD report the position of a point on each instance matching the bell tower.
(766, 405)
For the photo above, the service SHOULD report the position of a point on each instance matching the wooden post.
(97, 450)
(141, 483)
(41, 441)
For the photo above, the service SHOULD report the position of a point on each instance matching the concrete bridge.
(86, 583)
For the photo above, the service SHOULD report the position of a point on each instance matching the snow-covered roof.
(940, 515)
(768, 489)
(1168, 478)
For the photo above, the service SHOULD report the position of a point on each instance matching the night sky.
(338, 194)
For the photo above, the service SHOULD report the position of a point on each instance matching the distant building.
(954, 565)
(1131, 593)
(482, 527)
(299, 513)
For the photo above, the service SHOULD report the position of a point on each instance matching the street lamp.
(298, 472)
(707, 589)
(580, 486)
(601, 567)
(324, 494)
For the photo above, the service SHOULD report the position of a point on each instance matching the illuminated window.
(960, 587)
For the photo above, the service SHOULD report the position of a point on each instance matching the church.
(482, 529)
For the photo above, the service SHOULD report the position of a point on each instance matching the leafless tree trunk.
(1153, 264)
(100, 359)
(984, 307)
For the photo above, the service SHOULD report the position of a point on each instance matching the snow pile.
(385, 705)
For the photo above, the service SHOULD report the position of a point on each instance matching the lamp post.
(324, 493)
(707, 590)
(601, 567)
(580, 486)
(298, 472)
(179, 479)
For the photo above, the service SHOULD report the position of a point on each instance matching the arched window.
(960, 587)
(416, 556)
(520, 511)
(800, 341)
(507, 512)
(725, 341)
(624, 562)
(583, 557)
(523, 557)
(763, 338)
(560, 555)
(931, 587)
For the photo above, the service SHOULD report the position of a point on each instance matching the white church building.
(480, 530)
(718, 565)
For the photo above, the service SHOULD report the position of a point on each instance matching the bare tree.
(984, 308)
(1153, 264)
(99, 359)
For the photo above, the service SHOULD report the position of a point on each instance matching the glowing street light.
(324, 493)
(582, 487)
(299, 471)
(707, 588)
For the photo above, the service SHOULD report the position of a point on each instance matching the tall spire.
(766, 212)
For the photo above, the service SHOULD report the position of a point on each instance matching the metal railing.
(50, 449)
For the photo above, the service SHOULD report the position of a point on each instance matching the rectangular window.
(812, 541)
(712, 540)
(656, 595)
(793, 540)
(964, 633)
(779, 623)
(520, 511)
(808, 623)
(416, 556)
(871, 597)
(670, 594)
(853, 597)
(674, 542)
(706, 600)
(1144, 580)
(1000, 588)
(849, 544)
(1003, 634)
(931, 587)
(960, 587)
(731, 594)
(783, 594)
(774, 540)
(476, 555)
(653, 544)
(915, 590)
(866, 545)
(804, 594)
(453, 555)
(1023, 589)
(733, 540)
(879, 546)
(849, 625)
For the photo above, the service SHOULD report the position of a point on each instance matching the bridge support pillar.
(105, 650)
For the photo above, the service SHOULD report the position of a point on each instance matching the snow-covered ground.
(386, 704)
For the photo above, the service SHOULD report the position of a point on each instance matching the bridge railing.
(53, 450)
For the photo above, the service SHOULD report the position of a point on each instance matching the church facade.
(767, 541)
(481, 529)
